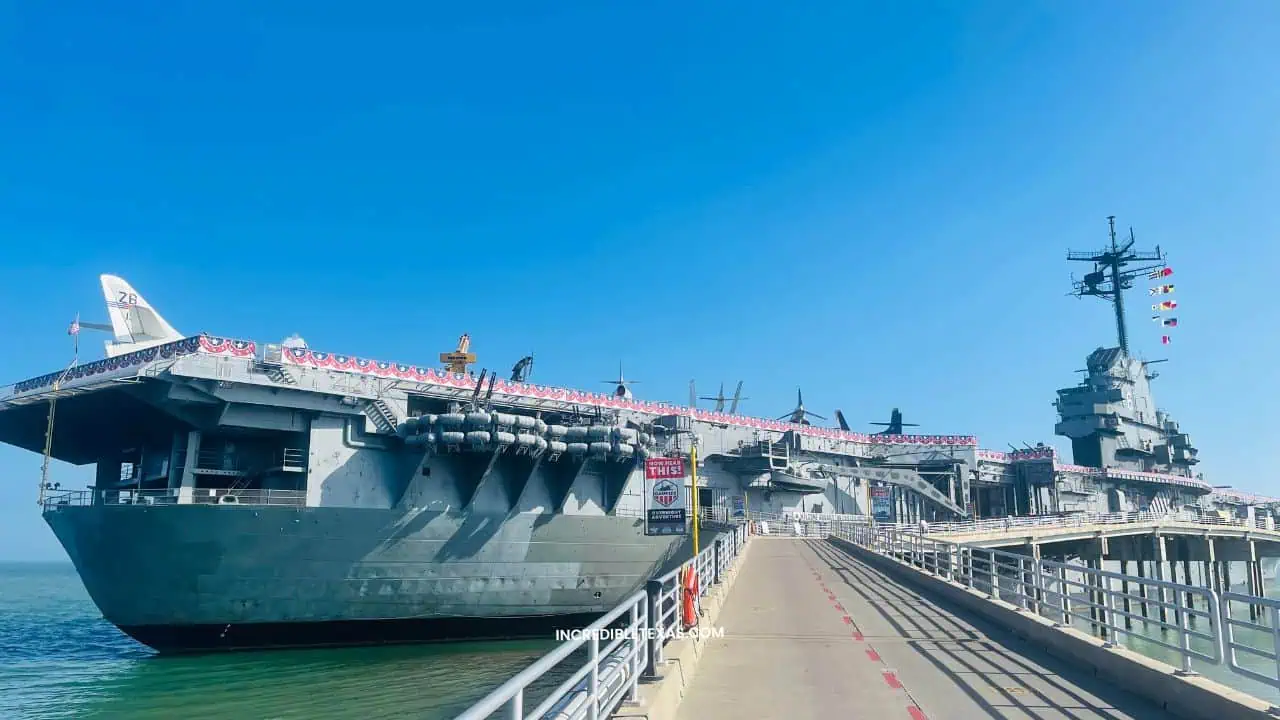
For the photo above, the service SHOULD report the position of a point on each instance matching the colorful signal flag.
(1166, 305)
(1164, 339)
(1161, 290)
(1161, 273)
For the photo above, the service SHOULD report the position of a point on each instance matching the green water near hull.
(60, 659)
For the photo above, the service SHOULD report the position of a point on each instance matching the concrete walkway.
(810, 632)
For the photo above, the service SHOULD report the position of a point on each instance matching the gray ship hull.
(206, 577)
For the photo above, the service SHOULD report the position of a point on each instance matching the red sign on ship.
(663, 468)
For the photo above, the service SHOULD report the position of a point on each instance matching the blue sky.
(870, 203)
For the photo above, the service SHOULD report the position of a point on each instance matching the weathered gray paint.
(426, 530)
(191, 564)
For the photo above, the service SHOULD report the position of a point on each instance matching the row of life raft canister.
(481, 430)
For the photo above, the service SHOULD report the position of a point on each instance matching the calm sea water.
(60, 659)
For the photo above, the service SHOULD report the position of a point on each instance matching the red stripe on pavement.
(916, 713)
(872, 655)
(891, 680)
(857, 636)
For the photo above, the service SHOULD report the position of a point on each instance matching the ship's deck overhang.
(87, 426)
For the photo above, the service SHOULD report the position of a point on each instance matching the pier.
(811, 631)
(846, 618)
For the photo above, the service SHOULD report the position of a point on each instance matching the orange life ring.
(690, 597)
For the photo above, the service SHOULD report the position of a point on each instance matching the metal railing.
(729, 515)
(1083, 519)
(639, 627)
(175, 496)
(607, 683)
(794, 524)
(1261, 639)
(772, 523)
(221, 496)
(1196, 624)
(802, 524)
(218, 460)
(292, 460)
(1072, 520)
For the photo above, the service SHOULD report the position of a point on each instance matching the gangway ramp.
(812, 632)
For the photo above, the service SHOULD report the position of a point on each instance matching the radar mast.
(1111, 274)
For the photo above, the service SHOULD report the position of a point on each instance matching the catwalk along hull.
(184, 578)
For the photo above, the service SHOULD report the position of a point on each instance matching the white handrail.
(1196, 624)
(1083, 519)
(1268, 610)
(612, 672)
(171, 496)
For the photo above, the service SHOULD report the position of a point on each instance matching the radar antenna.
(1111, 276)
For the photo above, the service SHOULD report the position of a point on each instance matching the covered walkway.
(811, 632)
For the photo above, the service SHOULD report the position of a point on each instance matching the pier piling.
(1124, 588)
(1158, 572)
(1186, 577)
(1142, 588)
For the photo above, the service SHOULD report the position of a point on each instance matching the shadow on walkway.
(972, 653)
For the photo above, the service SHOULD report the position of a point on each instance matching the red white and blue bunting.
(433, 376)
(212, 345)
(104, 369)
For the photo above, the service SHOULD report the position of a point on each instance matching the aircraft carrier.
(252, 495)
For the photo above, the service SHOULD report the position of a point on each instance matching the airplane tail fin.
(134, 322)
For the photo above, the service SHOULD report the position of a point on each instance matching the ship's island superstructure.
(255, 495)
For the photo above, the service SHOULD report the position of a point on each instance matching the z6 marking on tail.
(134, 322)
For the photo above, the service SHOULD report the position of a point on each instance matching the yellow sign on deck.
(458, 360)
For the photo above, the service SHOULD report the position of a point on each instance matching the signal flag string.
(1165, 289)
